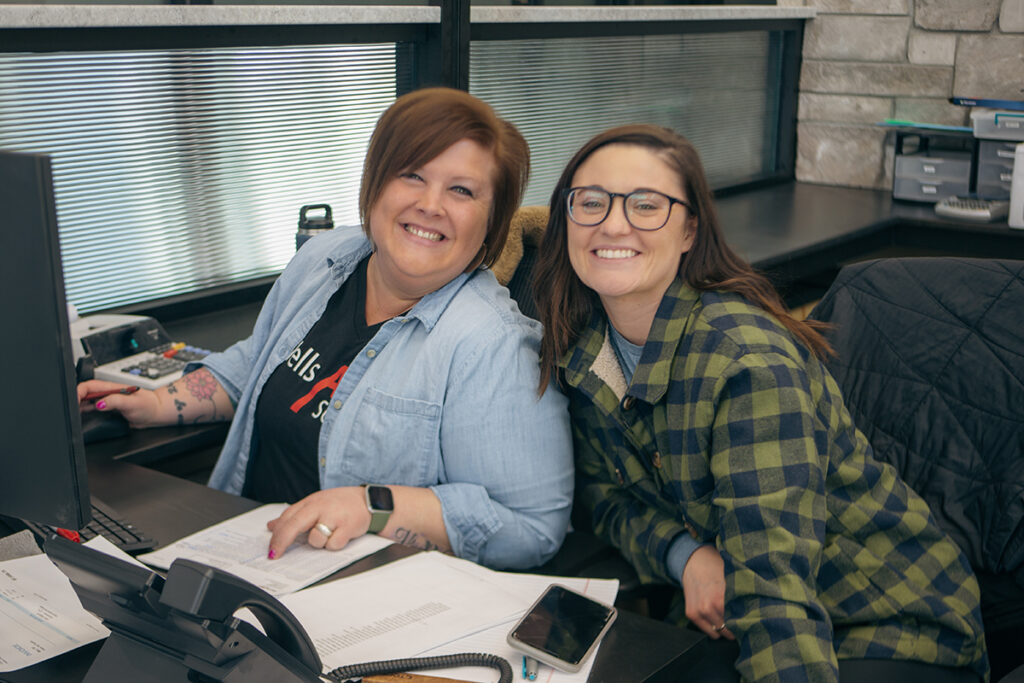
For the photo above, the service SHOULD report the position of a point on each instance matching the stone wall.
(868, 60)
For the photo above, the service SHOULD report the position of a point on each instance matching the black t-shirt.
(283, 466)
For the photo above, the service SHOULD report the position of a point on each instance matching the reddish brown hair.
(422, 124)
(565, 304)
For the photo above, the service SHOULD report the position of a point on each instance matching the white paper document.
(40, 616)
(239, 546)
(425, 605)
(398, 610)
(104, 546)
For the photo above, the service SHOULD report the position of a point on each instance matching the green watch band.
(381, 504)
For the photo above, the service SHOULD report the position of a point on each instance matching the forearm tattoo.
(410, 537)
(200, 385)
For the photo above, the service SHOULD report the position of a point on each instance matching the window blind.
(180, 170)
(720, 90)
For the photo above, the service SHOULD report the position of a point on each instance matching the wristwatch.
(381, 504)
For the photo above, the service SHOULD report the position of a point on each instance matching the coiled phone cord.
(391, 666)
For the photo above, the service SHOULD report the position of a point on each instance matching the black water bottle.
(314, 224)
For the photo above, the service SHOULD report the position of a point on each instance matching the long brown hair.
(422, 124)
(565, 304)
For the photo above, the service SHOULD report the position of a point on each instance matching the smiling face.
(430, 222)
(629, 268)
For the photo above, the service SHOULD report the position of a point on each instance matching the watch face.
(379, 498)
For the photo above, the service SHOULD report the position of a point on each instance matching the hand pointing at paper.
(333, 517)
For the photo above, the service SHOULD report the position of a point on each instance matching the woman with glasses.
(713, 448)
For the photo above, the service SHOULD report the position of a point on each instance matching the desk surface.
(796, 229)
(168, 508)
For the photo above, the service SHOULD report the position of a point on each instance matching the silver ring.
(324, 529)
(718, 629)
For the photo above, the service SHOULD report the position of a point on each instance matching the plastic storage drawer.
(995, 169)
(925, 168)
(923, 190)
(998, 151)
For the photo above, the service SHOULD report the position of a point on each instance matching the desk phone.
(130, 349)
(182, 627)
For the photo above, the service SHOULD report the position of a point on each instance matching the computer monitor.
(42, 456)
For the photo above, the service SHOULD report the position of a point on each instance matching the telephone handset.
(209, 593)
(183, 628)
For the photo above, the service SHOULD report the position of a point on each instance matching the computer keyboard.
(107, 523)
(973, 208)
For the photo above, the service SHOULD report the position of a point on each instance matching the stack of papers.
(430, 604)
(239, 546)
(40, 616)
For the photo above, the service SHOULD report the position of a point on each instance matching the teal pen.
(530, 666)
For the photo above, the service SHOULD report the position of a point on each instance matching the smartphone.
(562, 628)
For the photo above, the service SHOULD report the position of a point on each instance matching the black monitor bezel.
(43, 454)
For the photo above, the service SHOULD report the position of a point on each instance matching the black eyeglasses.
(644, 209)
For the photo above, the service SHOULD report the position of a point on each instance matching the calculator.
(973, 209)
(153, 368)
(130, 349)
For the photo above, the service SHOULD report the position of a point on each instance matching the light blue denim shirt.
(444, 397)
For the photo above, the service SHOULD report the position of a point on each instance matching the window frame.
(439, 56)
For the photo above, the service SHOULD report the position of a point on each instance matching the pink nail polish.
(100, 405)
(271, 554)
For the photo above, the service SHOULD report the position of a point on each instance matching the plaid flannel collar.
(653, 373)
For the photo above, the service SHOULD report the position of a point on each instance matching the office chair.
(528, 226)
(930, 361)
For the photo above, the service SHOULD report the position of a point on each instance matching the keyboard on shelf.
(107, 523)
(973, 208)
(151, 369)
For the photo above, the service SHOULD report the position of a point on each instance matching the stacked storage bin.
(998, 133)
(932, 165)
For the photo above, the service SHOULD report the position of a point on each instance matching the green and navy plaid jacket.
(733, 432)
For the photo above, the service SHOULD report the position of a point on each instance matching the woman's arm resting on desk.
(196, 397)
(416, 521)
